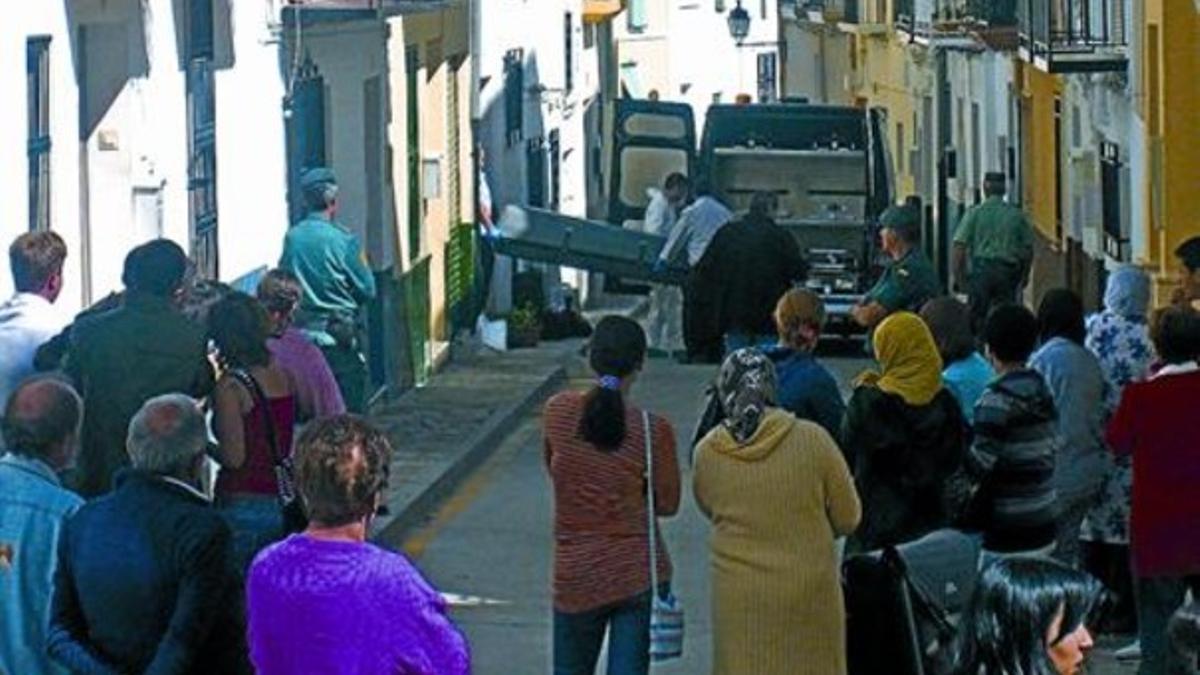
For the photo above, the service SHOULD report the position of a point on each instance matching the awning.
(597, 11)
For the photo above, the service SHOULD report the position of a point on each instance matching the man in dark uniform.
(909, 280)
(749, 266)
(330, 264)
(997, 237)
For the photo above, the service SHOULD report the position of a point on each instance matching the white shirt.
(26, 322)
(697, 226)
(485, 200)
(660, 214)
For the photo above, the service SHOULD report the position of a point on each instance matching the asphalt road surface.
(490, 544)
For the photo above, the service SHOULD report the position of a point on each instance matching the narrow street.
(490, 544)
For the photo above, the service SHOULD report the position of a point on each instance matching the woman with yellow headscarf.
(903, 435)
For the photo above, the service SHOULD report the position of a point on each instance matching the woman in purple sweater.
(325, 601)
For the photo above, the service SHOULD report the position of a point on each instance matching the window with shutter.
(37, 93)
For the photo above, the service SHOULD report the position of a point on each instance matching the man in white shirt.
(697, 226)
(664, 322)
(28, 318)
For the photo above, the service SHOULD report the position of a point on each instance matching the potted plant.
(524, 327)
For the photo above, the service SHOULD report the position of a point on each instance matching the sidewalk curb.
(478, 449)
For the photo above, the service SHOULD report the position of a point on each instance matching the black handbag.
(294, 517)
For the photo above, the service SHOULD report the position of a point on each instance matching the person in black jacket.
(120, 358)
(903, 436)
(1012, 457)
(141, 584)
(746, 270)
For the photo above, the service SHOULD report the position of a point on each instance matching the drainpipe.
(476, 38)
(943, 218)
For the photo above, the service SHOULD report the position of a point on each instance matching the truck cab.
(826, 164)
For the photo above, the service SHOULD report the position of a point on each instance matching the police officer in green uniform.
(998, 239)
(332, 270)
(909, 280)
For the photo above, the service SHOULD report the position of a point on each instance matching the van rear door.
(881, 176)
(651, 140)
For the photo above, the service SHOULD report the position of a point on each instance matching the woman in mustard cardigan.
(778, 494)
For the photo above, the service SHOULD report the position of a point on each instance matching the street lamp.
(739, 23)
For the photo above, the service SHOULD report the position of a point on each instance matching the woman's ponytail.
(603, 423)
(617, 351)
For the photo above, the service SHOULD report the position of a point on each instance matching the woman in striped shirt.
(596, 457)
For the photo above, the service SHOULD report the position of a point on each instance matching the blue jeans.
(256, 522)
(578, 637)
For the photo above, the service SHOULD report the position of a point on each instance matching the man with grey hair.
(332, 269)
(41, 432)
(142, 583)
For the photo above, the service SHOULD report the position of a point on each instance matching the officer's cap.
(1189, 253)
(903, 220)
(317, 177)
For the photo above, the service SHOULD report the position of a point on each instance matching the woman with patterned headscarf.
(778, 493)
(1119, 337)
(903, 435)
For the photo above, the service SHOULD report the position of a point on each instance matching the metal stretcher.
(545, 236)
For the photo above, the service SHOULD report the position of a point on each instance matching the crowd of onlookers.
(120, 552)
(1061, 442)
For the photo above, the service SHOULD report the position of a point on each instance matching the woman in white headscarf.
(1119, 336)
(778, 493)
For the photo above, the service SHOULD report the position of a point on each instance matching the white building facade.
(683, 50)
(544, 83)
(160, 118)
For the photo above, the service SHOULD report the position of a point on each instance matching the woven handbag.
(666, 612)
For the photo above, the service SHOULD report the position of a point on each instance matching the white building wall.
(981, 79)
(347, 54)
(251, 146)
(125, 182)
(1099, 109)
(40, 18)
(703, 64)
(136, 145)
(817, 63)
(539, 29)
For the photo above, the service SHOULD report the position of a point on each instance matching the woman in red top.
(246, 489)
(1155, 423)
(596, 456)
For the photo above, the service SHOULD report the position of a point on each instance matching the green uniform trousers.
(992, 282)
(350, 371)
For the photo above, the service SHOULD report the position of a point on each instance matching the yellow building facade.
(890, 71)
(1168, 98)
(1096, 126)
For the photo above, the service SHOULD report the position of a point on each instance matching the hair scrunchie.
(610, 382)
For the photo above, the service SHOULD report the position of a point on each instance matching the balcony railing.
(933, 18)
(1066, 36)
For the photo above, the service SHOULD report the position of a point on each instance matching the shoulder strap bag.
(294, 517)
(666, 612)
